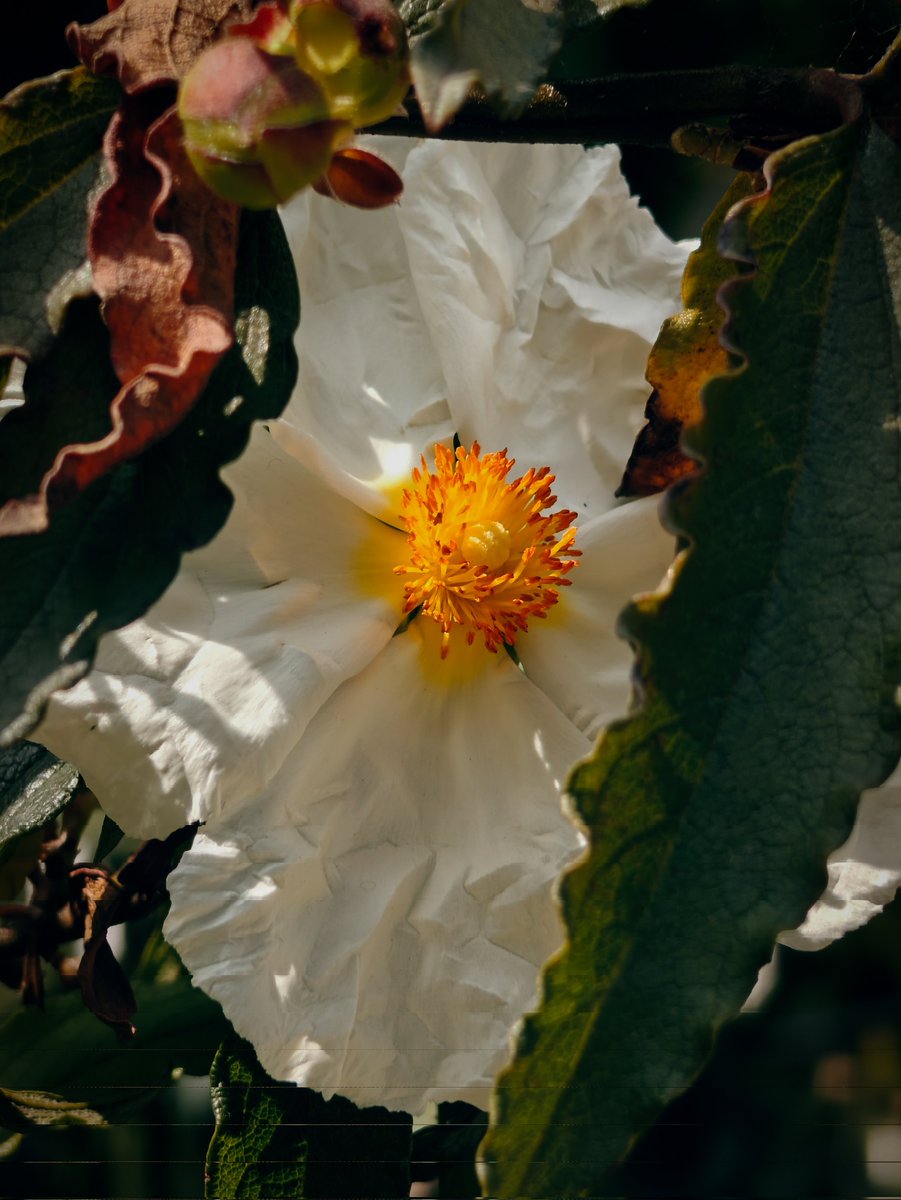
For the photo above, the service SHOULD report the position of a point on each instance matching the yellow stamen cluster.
(484, 556)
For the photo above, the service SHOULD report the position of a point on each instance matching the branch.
(754, 104)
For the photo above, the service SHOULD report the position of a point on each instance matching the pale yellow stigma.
(484, 555)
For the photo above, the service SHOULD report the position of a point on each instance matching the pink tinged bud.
(257, 129)
(361, 179)
(357, 51)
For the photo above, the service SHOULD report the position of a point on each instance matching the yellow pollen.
(487, 545)
(484, 555)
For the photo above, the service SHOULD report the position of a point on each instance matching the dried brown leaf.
(162, 250)
(147, 42)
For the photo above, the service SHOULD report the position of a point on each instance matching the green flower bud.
(356, 50)
(256, 128)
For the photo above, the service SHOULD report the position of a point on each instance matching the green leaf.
(112, 551)
(78, 1060)
(50, 135)
(448, 1150)
(110, 837)
(768, 676)
(30, 1110)
(277, 1140)
(34, 787)
(500, 44)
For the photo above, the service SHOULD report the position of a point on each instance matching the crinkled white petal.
(575, 655)
(544, 286)
(864, 872)
(512, 296)
(370, 396)
(196, 706)
(375, 920)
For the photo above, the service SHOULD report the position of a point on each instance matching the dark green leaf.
(9, 1143)
(500, 44)
(277, 1140)
(71, 1055)
(447, 1151)
(768, 675)
(50, 135)
(34, 787)
(112, 551)
(110, 837)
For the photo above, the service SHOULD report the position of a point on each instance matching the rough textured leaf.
(50, 135)
(686, 354)
(713, 809)
(111, 552)
(162, 253)
(276, 1140)
(31, 1110)
(145, 42)
(500, 44)
(34, 787)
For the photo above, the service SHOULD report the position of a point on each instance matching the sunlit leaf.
(768, 676)
(30, 1110)
(34, 787)
(277, 1139)
(50, 135)
(499, 44)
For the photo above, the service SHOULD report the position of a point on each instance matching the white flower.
(864, 872)
(369, 897)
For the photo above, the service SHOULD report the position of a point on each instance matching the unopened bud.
(257, 129)
(356, 50)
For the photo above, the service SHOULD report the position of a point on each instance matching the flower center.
(484, 555)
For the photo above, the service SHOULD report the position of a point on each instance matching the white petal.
(574, 655)
(197, 705)
(375, 920)
(370, 395)
(864, 872)
(544, 285)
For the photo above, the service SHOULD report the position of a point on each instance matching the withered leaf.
(146, 42)
(162, 251)
(105, 900)
(686, 354)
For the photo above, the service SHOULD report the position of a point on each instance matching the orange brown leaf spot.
(686, 354)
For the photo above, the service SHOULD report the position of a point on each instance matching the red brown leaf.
(162, 250)
(147, 42)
